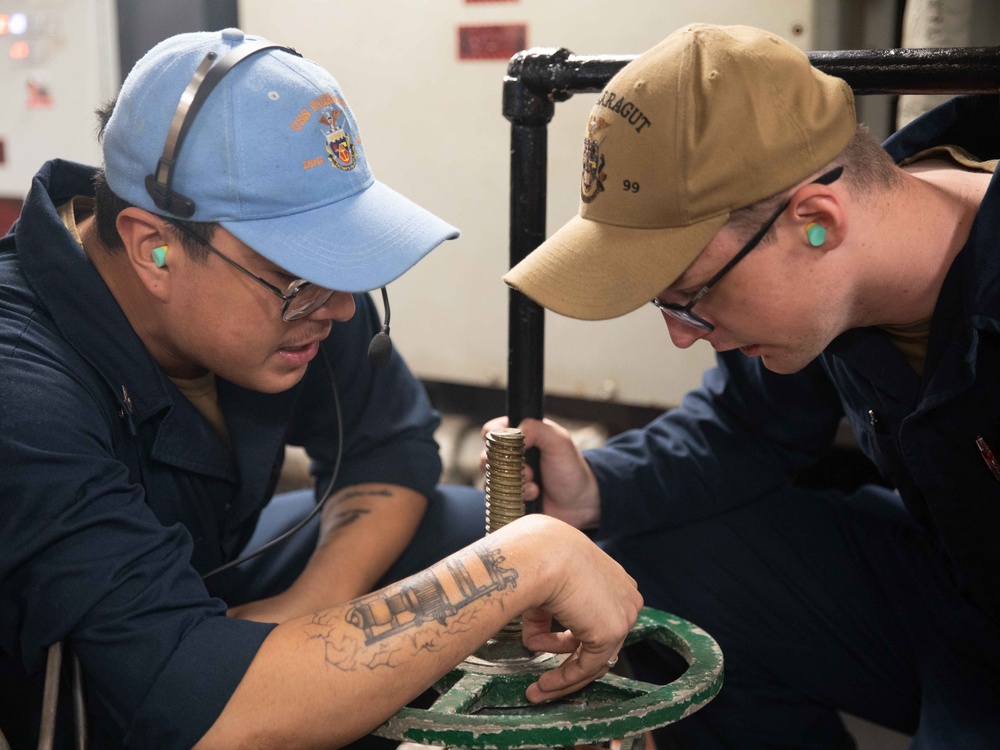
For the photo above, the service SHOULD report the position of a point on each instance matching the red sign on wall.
(493, 42)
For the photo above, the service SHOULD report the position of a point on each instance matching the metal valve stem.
(504, 478)
(504, 503)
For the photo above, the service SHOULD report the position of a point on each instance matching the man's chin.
(273, 383)
(784, 365)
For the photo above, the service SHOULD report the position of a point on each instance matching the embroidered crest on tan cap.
(592, 181)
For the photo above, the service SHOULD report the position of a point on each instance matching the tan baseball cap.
(712, 119)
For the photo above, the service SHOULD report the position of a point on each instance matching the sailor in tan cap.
(726, 181)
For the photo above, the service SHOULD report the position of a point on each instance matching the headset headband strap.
(160, 184)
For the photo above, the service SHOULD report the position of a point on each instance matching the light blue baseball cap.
(274, 156)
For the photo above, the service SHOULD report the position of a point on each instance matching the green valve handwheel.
(483, 706)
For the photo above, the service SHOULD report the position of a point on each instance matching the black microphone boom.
(380, 348)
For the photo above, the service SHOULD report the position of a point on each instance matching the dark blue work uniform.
(116, 495)
(884, 603)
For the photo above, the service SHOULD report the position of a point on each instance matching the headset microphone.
(380, 348)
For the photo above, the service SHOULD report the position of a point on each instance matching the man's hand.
(597, 602)
(570, 490)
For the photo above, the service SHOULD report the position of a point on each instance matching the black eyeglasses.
(301, 298)
(683, 312)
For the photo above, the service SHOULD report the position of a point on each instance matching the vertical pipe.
(529, 115)
(526, 324)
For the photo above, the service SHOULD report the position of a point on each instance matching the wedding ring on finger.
(612, 661)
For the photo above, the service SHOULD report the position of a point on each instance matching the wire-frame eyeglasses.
(300, 298)
(683, 313)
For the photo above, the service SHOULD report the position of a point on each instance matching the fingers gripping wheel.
(483, 706)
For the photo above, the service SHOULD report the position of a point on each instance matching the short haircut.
(108, 205)
(868, 169)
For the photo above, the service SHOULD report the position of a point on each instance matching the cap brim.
(594, 271)
(356, 244)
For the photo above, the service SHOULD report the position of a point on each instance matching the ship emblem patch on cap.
(592, 181)
(339, 147)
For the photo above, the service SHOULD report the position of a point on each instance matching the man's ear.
(143, 235)
(819, 217)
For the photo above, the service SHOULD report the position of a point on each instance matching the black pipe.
(529, 115)
(557, 74)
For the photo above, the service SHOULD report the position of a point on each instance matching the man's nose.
(682, 334)
(339, 307)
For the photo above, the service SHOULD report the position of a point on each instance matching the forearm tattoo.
(338, 518)
(364, 493)
(342, 518)
(420, 610)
